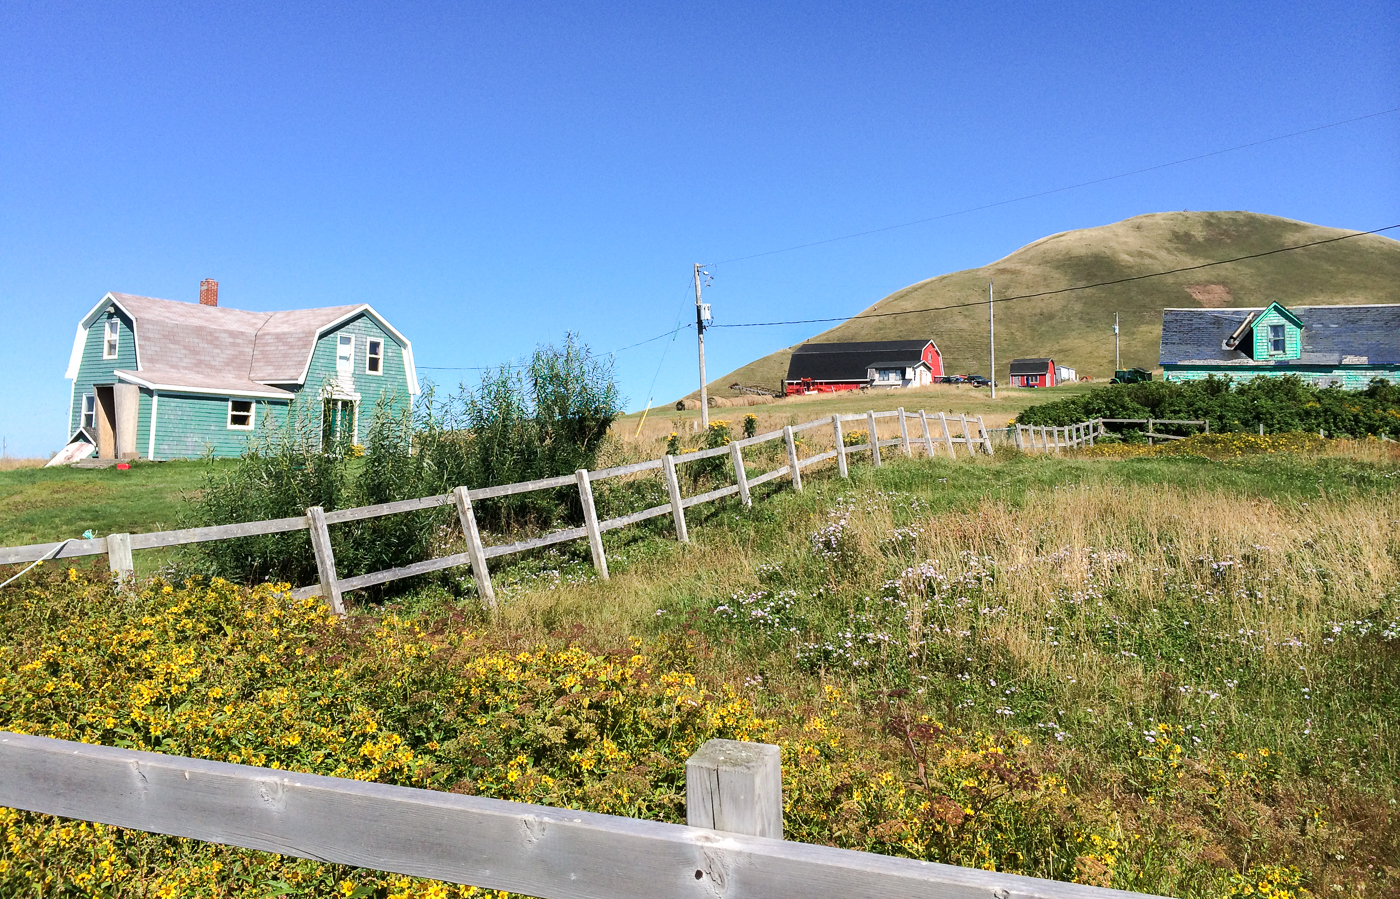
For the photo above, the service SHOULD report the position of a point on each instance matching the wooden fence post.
(673, 487)
(119, 556)
(590, 523)
(741, 476)
(928, 435)
(986, 437)
(735, 787)
(467, 516)
(325, 559)
(1149, 432)
(841, 465)
(792, 457)
(904, 434)
(967, 438)
(947, 435)
(874, 438)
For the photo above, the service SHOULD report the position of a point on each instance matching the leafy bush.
(1279, 404)
(546, 419)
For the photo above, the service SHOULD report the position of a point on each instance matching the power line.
(1056, 190)
(668, 333)
(1046, 293)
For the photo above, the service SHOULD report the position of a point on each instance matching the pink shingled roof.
(218, 348)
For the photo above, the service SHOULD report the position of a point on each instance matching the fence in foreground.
(731, 846)
(972, 436)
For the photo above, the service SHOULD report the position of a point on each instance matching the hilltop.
(1077, 328)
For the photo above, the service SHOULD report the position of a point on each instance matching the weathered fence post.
(325, 559)
(1207, 424)
(673, 487)
(477, 553)
(741, 477)
(928, 435)
(874, 438)
(590, 523)
(119, 556)
(792, 457)
(986, 436)
(947, 435)
(967, 437)
(904, 434)
(841, 465)
(1149, 432)
(735, 787)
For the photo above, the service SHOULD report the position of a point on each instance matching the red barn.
(829, 367)
(1033, 373)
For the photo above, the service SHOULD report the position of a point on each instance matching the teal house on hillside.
(1342, 346)
(160, 379)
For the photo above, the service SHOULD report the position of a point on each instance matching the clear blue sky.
(491, 175)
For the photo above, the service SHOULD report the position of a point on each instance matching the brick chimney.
(208, 292)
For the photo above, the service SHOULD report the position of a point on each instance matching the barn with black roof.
(831, 367)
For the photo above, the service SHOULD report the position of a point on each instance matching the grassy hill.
(1076, 328)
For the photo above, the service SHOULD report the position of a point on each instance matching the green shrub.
(1280, 405)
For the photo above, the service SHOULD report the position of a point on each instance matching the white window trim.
(338, 339)
(111, 334)
(369, 343)
(83, 411)
(252, 414)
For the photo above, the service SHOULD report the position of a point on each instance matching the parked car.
(976, 380)
(1131, 376)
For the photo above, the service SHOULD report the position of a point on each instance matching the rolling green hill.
(1076, 328)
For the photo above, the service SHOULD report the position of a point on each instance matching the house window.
(374, 359)
(109, 339)
(345, 352)
(889, 374)
(1276, 341)
(240, 415)
(89, 411)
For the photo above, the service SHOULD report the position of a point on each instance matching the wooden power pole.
(700, 318)
(992, 333)
(1116, 364)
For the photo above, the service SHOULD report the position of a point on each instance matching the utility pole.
(1116, 364)
(700, 318)
(992, 333)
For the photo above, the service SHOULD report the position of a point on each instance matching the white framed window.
(240, 415)
(1276, 341)
(345, 353)
(888, 374)
(110, 335)
(374, 357)
(89, 411)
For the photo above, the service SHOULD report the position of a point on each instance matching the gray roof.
(1332, 335)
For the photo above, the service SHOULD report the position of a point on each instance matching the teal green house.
(1342, 346)
(161, 379)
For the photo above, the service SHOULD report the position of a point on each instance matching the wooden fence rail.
(971, 434)
(536, 850)
(1053, 439)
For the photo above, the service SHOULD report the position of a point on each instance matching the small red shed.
(1032, 372)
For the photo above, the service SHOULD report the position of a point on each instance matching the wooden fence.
(934, 435)
(1041, 438)
(730, 848)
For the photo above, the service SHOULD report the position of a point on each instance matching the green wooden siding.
(392, 383)
(191, 425)
(93, 369)
(1350, 378)
(1292, 337)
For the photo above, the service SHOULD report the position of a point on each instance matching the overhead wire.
(1046, 293)
(1056, 190)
